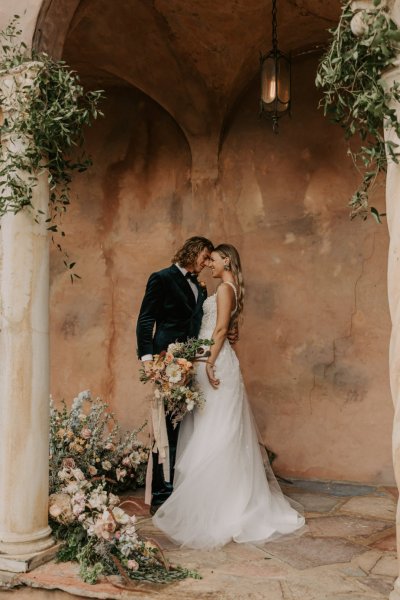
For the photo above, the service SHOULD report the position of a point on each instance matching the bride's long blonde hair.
(229, 251)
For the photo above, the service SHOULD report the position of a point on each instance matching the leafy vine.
(46, 120)
(354, 95)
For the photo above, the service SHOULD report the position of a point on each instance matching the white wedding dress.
(223, 491)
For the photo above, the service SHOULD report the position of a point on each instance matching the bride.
(223, 491)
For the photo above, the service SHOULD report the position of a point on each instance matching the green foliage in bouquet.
(88, 437)
(356, 98)
(193, 349)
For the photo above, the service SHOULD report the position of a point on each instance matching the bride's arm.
(225, 300)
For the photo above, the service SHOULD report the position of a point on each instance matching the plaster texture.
(181, 152)
(315, 332)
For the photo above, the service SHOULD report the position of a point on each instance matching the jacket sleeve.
(149, 312)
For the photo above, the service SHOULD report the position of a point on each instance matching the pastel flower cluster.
(89, 460)
(90, 437)
(173, 374)
(107, 528)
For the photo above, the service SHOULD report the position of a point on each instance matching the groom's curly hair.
(190, 250)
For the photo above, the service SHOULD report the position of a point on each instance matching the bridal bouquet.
(173, 374)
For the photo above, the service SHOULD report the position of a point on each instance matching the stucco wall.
(315, 333)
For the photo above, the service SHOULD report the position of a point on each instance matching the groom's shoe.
(158, 498)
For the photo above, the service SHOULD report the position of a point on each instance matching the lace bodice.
(210, 314)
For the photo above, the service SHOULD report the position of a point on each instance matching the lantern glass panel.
(268, 81)
(283, 83)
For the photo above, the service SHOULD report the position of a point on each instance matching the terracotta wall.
(314, 340)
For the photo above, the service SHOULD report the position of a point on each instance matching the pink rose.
(86, 433)
(132, 565)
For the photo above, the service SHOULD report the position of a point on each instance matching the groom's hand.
(233, 334)
(147, 366)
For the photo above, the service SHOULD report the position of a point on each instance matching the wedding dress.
(223, 491)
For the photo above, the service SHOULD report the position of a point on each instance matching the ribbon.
(158, 443)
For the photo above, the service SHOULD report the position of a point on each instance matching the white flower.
(120, 473)
(103, 527)
(106, 465)
(189, 405)
(135, 458)
(71, 488)
(64, 474)
(97, 499)
(174, 373)
(92, 470)
(77, 509)
(176, 347)
(113, 499)
(78, 474)
(120, 516)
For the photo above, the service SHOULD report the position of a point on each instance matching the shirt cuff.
(146, 357)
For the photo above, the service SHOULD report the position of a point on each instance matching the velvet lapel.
(181, 282)
(201, 296)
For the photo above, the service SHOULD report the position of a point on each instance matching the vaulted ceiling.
(194, 57)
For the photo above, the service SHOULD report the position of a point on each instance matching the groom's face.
(201, 261)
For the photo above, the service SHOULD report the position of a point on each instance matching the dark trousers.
(162, 489)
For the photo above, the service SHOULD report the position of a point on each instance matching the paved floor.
(347, 553)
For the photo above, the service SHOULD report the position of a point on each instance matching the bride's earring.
(227, 267)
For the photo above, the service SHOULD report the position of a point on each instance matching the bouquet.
(101, 535)
(89, 438)
(173, 374)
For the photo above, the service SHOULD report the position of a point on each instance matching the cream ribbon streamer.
(159, 443)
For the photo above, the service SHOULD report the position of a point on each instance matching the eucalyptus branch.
(355, 97)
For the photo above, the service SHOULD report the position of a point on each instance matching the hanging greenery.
(47, 121)
(355, 96)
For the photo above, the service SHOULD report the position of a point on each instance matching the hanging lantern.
(275, 79)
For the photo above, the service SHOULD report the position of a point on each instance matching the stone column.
(25, 537)
(393, 218)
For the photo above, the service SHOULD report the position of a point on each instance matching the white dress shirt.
(196, 295)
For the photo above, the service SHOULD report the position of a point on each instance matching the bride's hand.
(211, 375)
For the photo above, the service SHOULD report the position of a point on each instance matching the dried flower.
(60, 508)
(86, 433)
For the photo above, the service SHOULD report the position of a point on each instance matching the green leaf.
(376, 215)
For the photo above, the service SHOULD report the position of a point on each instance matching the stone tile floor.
(347, 553)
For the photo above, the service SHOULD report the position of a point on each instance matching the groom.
(172, 309)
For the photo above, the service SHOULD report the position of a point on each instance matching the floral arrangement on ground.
(90, 460)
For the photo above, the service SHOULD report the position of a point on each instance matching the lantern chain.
(274, 26)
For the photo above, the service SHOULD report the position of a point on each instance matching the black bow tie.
(191, 276)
